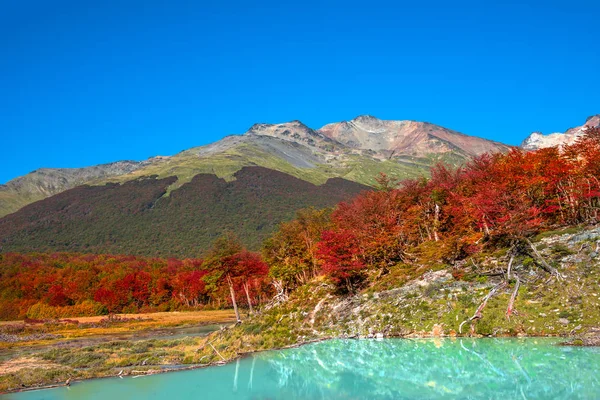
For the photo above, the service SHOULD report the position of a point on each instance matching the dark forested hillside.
(136, 217)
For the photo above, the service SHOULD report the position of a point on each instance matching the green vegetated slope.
(137, 218)
(45, 182)
(11, 201)
(61, 224)
(434, 302)
(225, 164)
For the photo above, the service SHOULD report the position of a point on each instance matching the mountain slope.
(45, 182)
(538, 140)
(355, 150)
(135, 217)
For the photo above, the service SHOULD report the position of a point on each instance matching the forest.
(494, 201)
(49, 286)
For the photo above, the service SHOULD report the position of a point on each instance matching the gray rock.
(563, 321)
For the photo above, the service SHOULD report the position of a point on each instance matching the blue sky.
(85, 82)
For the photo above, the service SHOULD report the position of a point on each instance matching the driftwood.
(485, 360)
(251, 380)
(235, 377)
(144, 373)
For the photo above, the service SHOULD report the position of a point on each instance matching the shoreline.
(170, 369)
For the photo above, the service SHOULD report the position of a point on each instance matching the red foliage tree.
(340, 258)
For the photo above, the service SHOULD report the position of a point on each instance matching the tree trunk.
(436, 222)
(248, 298)
(235, 308)
(486, 228)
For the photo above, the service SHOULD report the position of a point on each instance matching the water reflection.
(369, 369)
(438, 368)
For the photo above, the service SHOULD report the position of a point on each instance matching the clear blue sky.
(88, 82)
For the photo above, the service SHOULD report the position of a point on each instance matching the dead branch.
(477, 314)
(542, 262)
(217, 351)
(512, 258)
(511, 303)
(280, 296)
(501, 273)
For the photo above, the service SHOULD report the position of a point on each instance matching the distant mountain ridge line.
(356, 150)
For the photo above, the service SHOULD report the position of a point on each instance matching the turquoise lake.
(370, 369)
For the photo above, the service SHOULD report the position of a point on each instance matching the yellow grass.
(147, 321)
(17, 364)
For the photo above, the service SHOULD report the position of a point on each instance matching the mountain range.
(176, 205)
(356, 150)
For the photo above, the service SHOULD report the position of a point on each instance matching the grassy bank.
(98, 346)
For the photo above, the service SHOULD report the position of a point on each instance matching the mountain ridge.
(356, 150)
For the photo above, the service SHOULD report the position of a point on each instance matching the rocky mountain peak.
(389, 138)
(538, 140)
(369, 123)
(293, 131)
(367, 120)
(593, 121)
(278, 129)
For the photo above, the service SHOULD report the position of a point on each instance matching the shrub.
(42, 311)
(86, 308)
